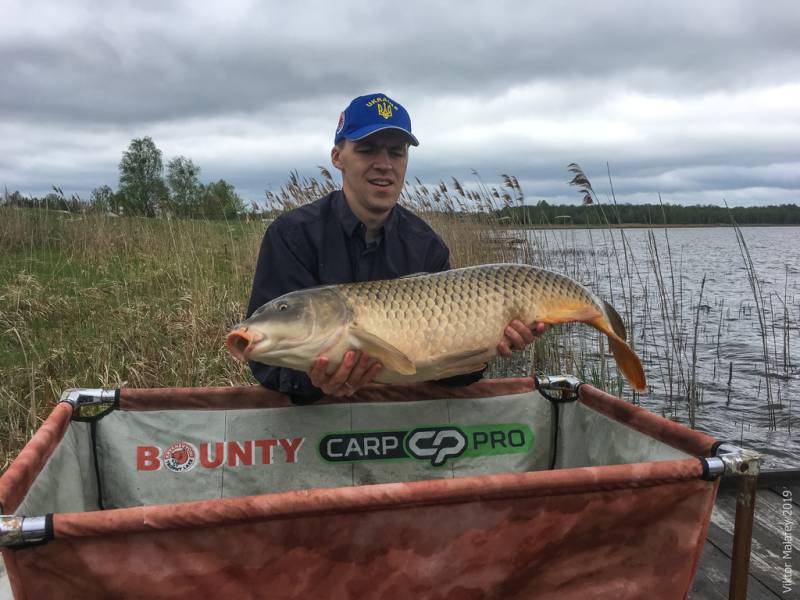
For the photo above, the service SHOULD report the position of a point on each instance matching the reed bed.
(90, 300)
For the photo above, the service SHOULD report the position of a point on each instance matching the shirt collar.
(346, 217)
(351, 223)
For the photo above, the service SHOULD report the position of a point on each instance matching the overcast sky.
(698, 101)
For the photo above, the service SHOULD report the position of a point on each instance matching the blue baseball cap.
(374, 112)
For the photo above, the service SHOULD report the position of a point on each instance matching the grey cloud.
(127, 67)
(80, 82)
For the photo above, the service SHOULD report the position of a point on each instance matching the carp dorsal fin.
(417, 274)
(616, 321)
(383, 351)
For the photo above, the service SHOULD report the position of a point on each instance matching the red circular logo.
(180, 457)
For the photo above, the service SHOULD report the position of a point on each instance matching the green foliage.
(141, 186)
(56, 200)
(219, 200)
(184, 187)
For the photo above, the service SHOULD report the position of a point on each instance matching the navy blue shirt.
(323, 243)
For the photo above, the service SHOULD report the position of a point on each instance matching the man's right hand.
(356, 371)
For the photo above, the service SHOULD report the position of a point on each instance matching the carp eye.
(283, 306)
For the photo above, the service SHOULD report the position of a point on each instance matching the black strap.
(93, 430)
(555, 400)
(566, 395)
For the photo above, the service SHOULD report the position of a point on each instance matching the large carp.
(427, 326)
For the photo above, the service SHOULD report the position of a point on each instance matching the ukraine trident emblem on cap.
(384, 106)
(385, 110)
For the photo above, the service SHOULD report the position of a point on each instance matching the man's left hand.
(518, 335)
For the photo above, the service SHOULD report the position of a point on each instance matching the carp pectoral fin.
(457, 363)
(381, 350)
(461, 370)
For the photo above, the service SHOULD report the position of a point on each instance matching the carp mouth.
(241, 342)
(244, 341)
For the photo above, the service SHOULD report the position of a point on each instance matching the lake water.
(658, 295)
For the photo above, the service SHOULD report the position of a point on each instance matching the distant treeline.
(149, 188)
(651, 214)
(146, 190)
(219, 200)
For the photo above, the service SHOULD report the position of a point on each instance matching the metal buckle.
(565, 387)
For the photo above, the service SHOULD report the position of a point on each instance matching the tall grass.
(95, 301)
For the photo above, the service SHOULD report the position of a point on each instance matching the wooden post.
(742, 537)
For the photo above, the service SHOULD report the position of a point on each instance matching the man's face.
(373, 170)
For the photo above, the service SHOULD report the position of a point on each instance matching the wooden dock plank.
(766, 558)
(774, 514)
(767, 561)
(712, 579)
(793, 489)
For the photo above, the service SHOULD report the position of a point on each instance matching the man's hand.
(518, 335)
(356, 371)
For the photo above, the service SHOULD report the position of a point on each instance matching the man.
(358, 233)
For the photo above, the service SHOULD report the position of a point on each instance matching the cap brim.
(360, 134)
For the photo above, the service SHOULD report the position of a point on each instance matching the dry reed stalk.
(758, 298)
(691, 396)
(787, 358)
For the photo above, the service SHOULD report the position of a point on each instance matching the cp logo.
(436, 443)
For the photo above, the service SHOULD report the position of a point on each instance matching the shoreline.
(642, 226)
